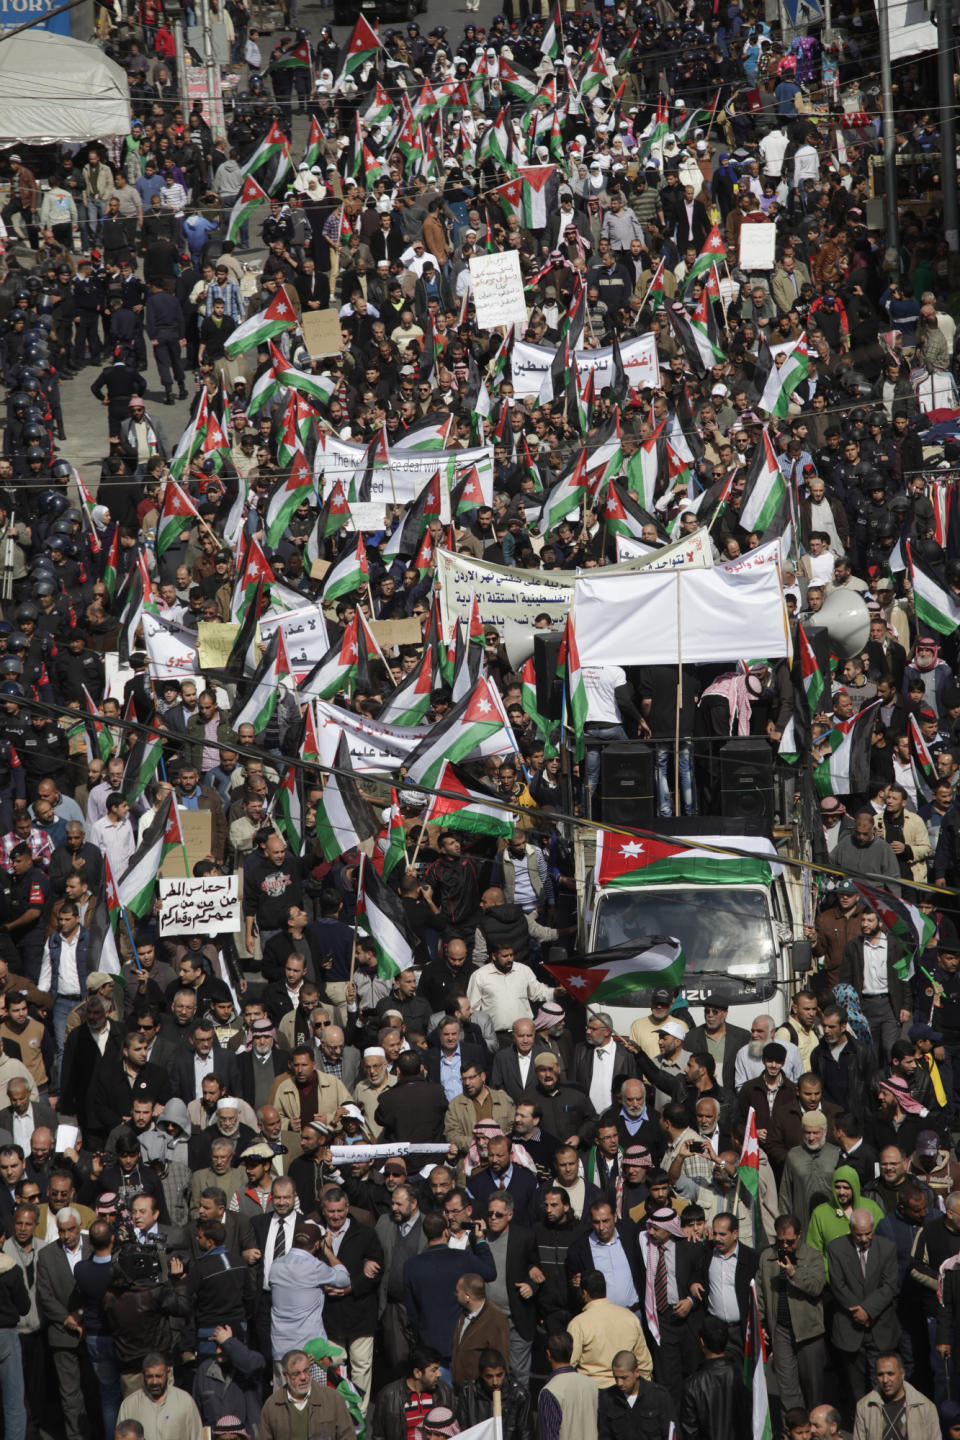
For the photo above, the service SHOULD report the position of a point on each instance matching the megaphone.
(847, 621)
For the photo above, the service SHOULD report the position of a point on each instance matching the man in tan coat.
(307, 1093)
(477, 1102)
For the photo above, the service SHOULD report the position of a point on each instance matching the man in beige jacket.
(307, 1093)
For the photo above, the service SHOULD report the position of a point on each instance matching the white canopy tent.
(55, 89)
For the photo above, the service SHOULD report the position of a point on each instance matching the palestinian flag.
(395, 852)
(765, 508)
(380, 916)
(552, 43)
(286, 497)
(141, 766)
(625, 974)
(625, 862)
(260, 705)
(287, 812)
(466, 727)
(246, 202)
(273, 144)
(467, 805)
(242, 660)
(254, 571)
(350, 571)
(519, 84)
(110, 564)
(845, 770)
(99, 741)
(86, 500)
(545, 728)
(568, 670)
(277, 317)
(361, 48)
(779, 384)
(343, 816)
(595, 75)
(410, 702)
(136, 886)
(924, 770)
(937, 607)
(176, 516)
(566, 496)
(808, 688)
(430, 433)
(714, 252)
(693, 337)
(910, 926)
(536, 178)
(754, 1374)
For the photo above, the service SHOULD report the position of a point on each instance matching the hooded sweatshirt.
(829, 1222)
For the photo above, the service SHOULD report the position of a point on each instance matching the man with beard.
(867, 854)
(401, 1235)
(227, 1126)
(808, 1173)
(160, 1397)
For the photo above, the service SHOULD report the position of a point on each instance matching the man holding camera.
(791, 1279)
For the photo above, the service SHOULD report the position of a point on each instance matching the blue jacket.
(429, 1284)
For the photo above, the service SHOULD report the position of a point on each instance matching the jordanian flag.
(246, 202)
(260, 705)
(286, 498)
(765, 508)
(346, 665)
(656, 298)
(381, 108)
(296, 58)
(937, 607)
(910, 926)
(845, 770)
(380, 916)
(343, 816)
(659, 127)
(468, 806)
(693, 336)
(714, 252)
(528, 698)
(754, 1375)
(623, 516)
(141, 766)
(808, 688)
(646, 464)
(617, 975)
(254, 570)
(466, 727)
(176, 516)
(703, 323)
(467, 494)
(314, 148)
(568, 670)
(242, 660)
(625, 862)
(395, 851)
(781, 383)
(273, 144)
(136, 886)
(350, 571)
(405, 540)
(277, 317)
(361, 47)
(410, 702)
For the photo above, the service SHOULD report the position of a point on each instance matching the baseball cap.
(924, 1032)
(927, 1143)
(674, 1028)
(661, 997)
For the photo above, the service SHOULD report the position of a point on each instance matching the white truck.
(741, 941)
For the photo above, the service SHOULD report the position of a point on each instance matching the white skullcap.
(227, 1102)
(375, 1050)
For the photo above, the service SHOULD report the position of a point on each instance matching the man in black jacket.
(475, 1401)
(633, 1407)
(115, 1083)
(221, 1287)
(272, 882)
(350, 1315)
(869, 964)
(716, 1403)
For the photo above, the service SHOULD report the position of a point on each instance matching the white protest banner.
(374, 746)
(758, 246)
(503, 593)
(367, 515)
(169, 649)
(528, 365)
(401, 481)
(199, 905)
(630, 549)
(304, 635)
(639, 618)
(690, 552)
(388, 1150)
(496, 286)
(769, 554)
(640, 364)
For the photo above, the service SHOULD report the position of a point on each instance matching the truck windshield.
(722, 931)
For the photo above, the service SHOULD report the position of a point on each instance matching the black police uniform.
(165, 325)
(87, 301)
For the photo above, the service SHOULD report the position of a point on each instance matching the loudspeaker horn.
(847, 620)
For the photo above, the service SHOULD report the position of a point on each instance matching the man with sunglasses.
(715, 1037)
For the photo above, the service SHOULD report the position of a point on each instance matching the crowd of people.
(188, 1244)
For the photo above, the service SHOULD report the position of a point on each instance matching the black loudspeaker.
(627, 783)
(746, 780)
(546, 654)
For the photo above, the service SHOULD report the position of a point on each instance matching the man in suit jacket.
(482, 1326)
(82, 1058)
(203, 1056)
(885, 1001)
(502, 1174)
(676, 1355)
(57, 1303)
(458, 1054)
(596, 1063)
(731, 1304)
(519, 1276)
(477, 1099)
(259, 1066)
(863, 1282)
(712, 1032)
(401, 1235)
(513, 1069)
(336, 1057)
(429, 1284)
(212, 1205)
(610, 1245)
(350, 1316)
(116, 1081)
(693, 222)
(23, 1114)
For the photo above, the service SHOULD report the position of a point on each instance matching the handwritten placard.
(201, 905)
(758, 246)
(497, 288)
